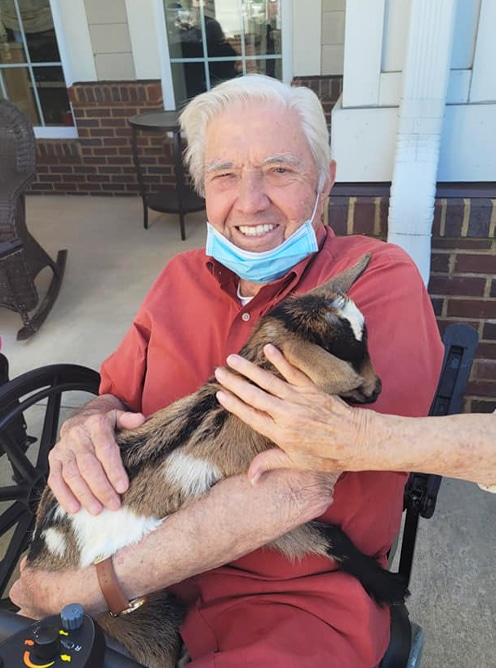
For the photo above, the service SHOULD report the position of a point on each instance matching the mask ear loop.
(319, 192)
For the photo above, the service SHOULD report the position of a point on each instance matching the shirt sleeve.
(123, 373)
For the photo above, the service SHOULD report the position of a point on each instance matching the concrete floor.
(112, 262)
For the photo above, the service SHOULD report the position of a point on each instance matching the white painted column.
(420, 122)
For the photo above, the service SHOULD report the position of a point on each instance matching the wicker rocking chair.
(21, 256)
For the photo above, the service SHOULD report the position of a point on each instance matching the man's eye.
(280, 170)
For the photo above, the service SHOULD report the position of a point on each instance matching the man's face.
(260, 177)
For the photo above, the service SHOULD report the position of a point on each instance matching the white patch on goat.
(351, 313)
(102, 535)
(55, 541)
(193, 476)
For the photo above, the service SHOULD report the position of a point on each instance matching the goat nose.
(376, 391)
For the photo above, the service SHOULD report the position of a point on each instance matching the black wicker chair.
(21, 256)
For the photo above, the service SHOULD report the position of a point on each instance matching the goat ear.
(342, 282)
(328, 372)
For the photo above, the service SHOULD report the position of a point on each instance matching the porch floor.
(112, 262)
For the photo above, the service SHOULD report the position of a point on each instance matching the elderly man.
(258, 150)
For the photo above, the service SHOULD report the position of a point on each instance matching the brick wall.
(99, 161)
(327, 88)
(463, 272)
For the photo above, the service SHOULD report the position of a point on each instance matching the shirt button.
(245, 317)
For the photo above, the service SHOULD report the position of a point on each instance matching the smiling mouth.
(256, 230)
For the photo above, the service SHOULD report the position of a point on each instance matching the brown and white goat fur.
(180, 452)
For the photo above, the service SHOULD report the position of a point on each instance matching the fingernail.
(114, 504)
(95, 508)
(121, 486)
(232, 359)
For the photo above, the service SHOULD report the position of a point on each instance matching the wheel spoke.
(18, 459)
(50, 430)
(17, 545)
(13, 493)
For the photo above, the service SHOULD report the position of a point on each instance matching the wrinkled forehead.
(256, 130)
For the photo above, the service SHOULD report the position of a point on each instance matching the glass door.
(211, 41)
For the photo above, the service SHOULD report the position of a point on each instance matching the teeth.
(255, 230)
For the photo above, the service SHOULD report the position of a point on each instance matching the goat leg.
(385, 587)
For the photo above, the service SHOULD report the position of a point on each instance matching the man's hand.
(314, 430)
(85, 465)
(41, 593)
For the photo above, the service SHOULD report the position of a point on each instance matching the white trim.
(73, 38)
(363, 143)
(391, 86)
(55, 132)
(305, 31)
(141, 24)
(364, 28)
(468, 144)
(287, 40)
(459, 87)
(483, 79)
(164, 56)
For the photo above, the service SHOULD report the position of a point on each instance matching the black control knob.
(46, 642)
(72, 617)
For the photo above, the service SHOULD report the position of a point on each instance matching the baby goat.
(180, 452)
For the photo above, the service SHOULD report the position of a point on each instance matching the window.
(31, 73)
(213, 40)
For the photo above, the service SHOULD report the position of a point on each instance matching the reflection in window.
(31, 73)
(214, 40)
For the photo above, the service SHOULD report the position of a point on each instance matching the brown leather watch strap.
(112, 592)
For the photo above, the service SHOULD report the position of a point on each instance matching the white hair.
(245, 89)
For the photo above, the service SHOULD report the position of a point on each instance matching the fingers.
(267, 461)
(86, 467)
(256, 418)
(267, 380)
(289, 372)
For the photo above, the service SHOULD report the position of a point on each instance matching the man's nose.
(251, 197)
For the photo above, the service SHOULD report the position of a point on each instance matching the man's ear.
(329, 182)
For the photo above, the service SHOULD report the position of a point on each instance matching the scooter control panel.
(68, 640)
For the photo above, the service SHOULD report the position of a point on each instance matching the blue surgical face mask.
(268, 265)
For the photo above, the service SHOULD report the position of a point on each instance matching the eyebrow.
(284, 158)
(217, 166)
(276, 159)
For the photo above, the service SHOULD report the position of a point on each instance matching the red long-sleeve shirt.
(263, 610)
